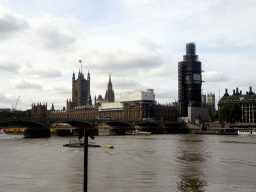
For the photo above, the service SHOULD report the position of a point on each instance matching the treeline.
(231, 113)
(15, 114)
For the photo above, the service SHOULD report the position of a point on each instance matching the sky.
(138, 42)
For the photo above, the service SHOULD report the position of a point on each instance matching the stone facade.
(208, 101)
(79, 108)
(81, 89)
(110, 96)
(39, 110)
(133, 111)
(246, 101)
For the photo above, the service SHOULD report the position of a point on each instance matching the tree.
(16, 114)
(216, 116)
(230, 112)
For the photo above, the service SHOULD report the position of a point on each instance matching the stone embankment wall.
(193, 127)
(210, 126)
(217, 125)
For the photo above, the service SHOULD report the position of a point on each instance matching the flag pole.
(81, 65)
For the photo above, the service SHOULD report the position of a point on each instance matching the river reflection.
(191, 160)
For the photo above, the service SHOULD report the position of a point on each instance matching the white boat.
(246, 132)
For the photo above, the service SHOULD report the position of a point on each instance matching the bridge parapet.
(46, 123)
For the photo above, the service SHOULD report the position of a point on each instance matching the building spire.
(110, 96)
(109, 82)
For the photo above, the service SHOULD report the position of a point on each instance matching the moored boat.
(246, 132)
(215, 133)
(80, 144)
(137, 133)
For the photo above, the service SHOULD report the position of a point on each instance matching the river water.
(175, 162)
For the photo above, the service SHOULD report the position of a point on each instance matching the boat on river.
(79, 144)
(246, 132)
(216, 132)
(137, 133)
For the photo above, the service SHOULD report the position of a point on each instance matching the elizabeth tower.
(189, 80)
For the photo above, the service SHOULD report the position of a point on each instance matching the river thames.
(175, 162)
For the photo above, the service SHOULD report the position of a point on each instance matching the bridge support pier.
(37, 133)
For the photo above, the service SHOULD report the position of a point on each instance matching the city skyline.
(139, 43)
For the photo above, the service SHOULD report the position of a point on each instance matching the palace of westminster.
(139, 105)
(136, 105)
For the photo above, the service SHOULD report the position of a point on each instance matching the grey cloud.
(129, 84)
(24, 67)
(4, 99)
(27, 85)
(31, 72)
(119, 83)
(214, 76)
(126, 68)
(52, 40)
(9, 67)
(63, 90)
(10, 24)
(49, 74)
(149, 45)
(124, 61)
(220, 9)
(149, 62)
(167, 95)
(9, 101)
(244, 81)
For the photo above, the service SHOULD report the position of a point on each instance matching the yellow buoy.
(110, 146)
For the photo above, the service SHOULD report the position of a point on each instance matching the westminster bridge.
(40, 127)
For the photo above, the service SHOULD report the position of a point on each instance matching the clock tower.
(189, 80)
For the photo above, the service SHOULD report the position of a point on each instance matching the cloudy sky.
(139, 42)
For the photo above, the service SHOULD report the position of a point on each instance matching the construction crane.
(14, 108)
(17, 102)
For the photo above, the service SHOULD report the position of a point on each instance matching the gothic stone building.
(110, 96)
(246, 101)
(136, 106)
(208, 101)
(39, 110)
(80, 90)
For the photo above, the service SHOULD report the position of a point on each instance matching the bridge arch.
(72, 122)
(28, 123)
(174, 127)
(150, 126)
(77, 126)
(116, 126)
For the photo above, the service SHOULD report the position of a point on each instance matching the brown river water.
(175, 162)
